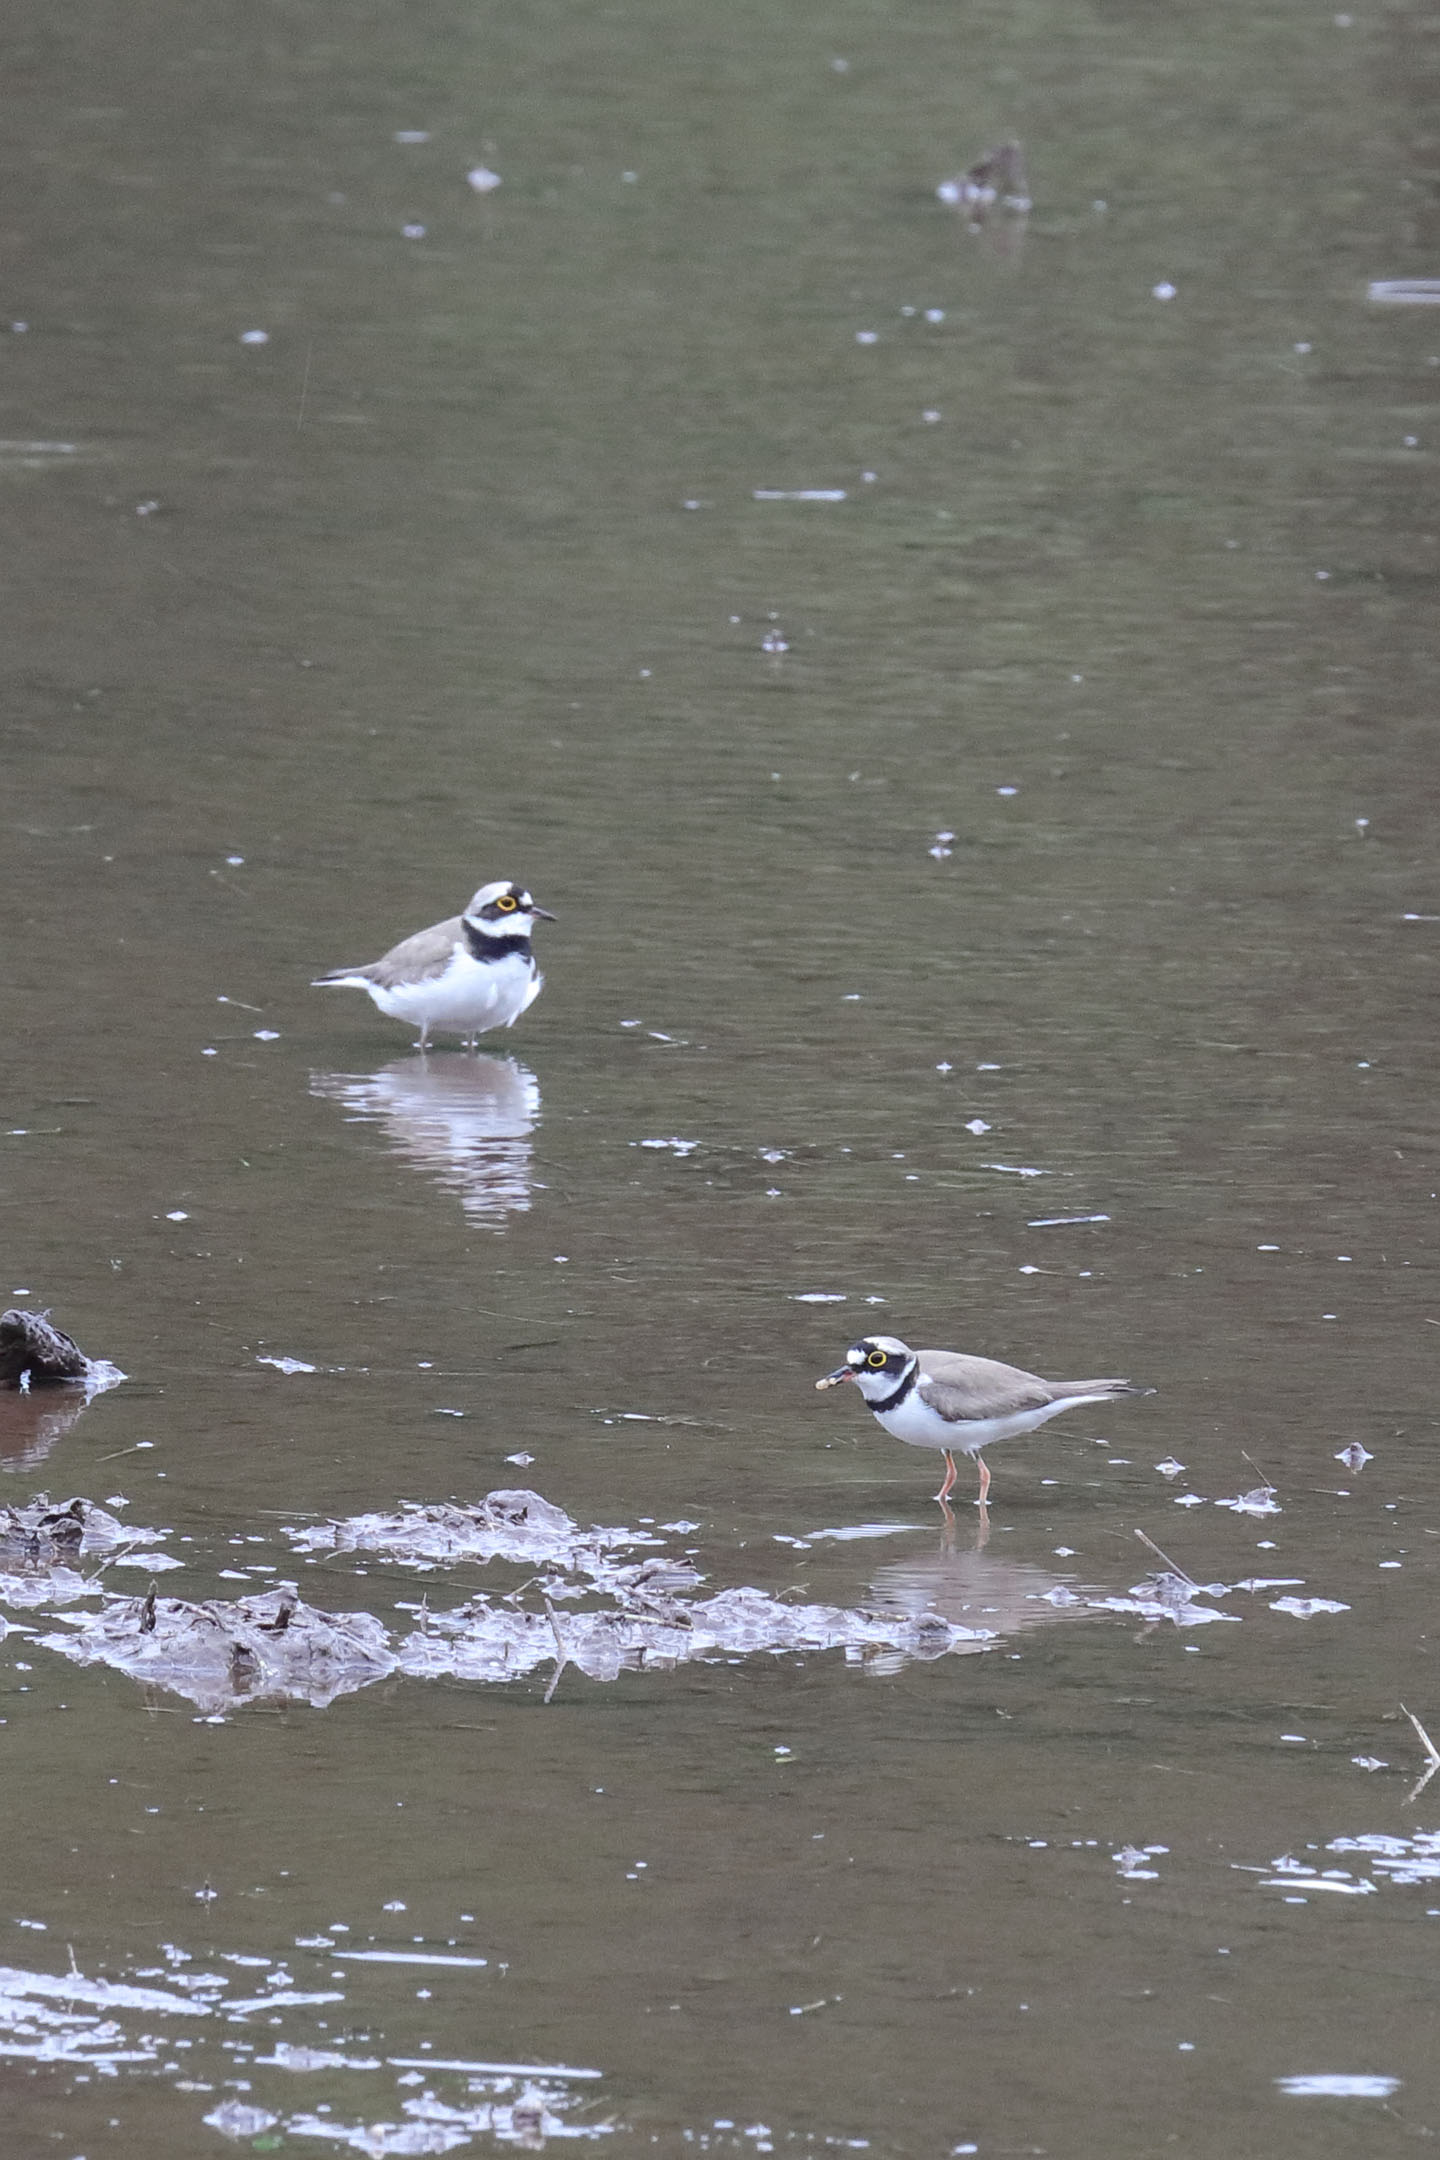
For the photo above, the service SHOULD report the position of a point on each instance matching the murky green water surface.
(468, 571)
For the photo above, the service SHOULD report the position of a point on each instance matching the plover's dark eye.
(507, 903)
(876, 1359)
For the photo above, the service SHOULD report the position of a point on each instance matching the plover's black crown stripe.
(482, 945)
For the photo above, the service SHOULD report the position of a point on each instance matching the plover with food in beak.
(956, 1404)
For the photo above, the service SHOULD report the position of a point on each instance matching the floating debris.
(43, 1584)
(1260, 1501)
(23, 452)
(1338, 2085)
(268, 1648)
(1405, 292)
(1131, 1859)
(73, 1987)
(1168, 1596)
(528, 2121)
(1063, 1222)
(1407, 1861)
(233, 2119)
(602, 1607)
(43, 1531)
(287, 1364)
(997, 177)
(1292, 1874)
(1355, 1456)
(485, 1641)
(507, 1525)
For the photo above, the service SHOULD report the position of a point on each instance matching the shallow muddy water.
(788, 1815)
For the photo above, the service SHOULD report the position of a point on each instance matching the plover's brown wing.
(968, 1388)
(418, 958)
(415, 959)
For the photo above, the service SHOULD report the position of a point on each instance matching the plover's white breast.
(913, 1420)
(467, 996)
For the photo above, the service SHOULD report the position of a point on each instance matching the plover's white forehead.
(890, 1344)
(500, 889)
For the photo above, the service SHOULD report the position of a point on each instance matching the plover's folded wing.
(416, 959)
(977, 1387)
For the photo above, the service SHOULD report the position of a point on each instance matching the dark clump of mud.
(33, 1353)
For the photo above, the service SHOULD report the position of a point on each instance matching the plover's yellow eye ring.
(507, 903)
(876, 1359)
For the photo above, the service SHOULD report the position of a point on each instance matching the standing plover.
(464, 976)
(957, 1404)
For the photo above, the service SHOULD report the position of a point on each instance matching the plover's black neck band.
(483, 947)
(907, 1381)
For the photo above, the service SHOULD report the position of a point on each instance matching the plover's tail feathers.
(1066, 1388)
(342, 979)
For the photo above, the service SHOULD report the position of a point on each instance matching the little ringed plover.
(464, 976)
(957, 1404)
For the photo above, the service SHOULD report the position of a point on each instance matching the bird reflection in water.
(972, 1588)
(466, 1120)
(31, 1424)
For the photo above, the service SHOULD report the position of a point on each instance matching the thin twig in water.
(1166, 1558)
(561, 1655)
(1432, 1752)
(1432, 1755)
(1268, 1483)
(1420, 1783)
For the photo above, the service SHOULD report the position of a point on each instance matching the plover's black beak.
(833, 1379)
(543, 912)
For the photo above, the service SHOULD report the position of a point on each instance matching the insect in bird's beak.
(833, 1379)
